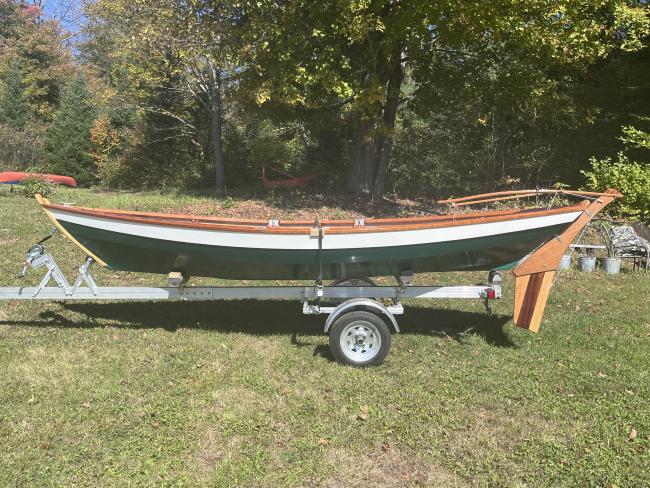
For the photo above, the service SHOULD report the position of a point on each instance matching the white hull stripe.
(303, 241)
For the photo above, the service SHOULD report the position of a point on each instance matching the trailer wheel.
(360, 339)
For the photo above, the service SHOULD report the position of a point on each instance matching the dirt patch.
(240, 399)
(387, 469)
(63, 366)
(488, 431)
(253, 346)
(214, 451)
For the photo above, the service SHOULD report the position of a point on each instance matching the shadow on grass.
(271, 317)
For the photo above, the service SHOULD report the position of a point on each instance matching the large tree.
(13, 109)
(36, 47)
(67, 148)
(179, 60)
(356, 54)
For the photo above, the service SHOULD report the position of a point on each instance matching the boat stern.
(535, 274)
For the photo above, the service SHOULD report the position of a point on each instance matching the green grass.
(246, 393)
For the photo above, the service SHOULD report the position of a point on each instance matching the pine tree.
(13, 108)
(67, 145)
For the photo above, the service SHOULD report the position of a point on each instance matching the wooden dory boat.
(329, 249)
(529, 242)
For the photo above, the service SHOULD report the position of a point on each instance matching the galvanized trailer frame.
(337, 301)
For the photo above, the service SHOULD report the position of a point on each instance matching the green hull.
(141, 254)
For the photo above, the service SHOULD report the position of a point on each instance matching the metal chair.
(627, 244)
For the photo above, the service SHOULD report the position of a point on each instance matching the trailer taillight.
(491, 294)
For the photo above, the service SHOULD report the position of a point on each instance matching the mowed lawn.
(246, 393)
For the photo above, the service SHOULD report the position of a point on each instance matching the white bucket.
(587, 264)
(611, 265)
(565, 262)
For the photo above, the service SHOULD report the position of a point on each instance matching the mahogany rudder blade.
(534, 275)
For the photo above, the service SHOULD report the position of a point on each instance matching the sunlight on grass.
(246, 393)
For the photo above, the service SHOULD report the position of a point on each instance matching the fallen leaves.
(632, 434)
(306, 205)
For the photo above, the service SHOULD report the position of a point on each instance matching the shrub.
(32, 186)
(630, 178)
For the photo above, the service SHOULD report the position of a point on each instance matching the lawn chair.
(626, 244)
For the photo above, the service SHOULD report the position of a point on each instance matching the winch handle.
(49, 236)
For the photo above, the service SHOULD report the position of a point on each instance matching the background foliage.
(426, 98)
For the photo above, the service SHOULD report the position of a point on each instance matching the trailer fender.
(361, 304)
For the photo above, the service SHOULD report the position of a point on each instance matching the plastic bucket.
(587, 264)
(611, 265)
(565, 262)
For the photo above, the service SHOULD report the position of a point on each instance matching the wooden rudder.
(531, 295)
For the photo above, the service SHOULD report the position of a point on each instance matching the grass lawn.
(246, 393)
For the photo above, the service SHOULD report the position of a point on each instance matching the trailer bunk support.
(350, 308)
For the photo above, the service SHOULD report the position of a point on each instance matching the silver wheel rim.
(360, 340)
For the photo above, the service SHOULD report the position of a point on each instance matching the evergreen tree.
(13, 109)
(67, 145)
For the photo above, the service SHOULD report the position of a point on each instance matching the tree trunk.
(387, 134)
(217, 149)
(358, 181)
(374, 132)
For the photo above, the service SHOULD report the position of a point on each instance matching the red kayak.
(17, 177)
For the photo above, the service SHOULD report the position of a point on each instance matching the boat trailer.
(361, 316)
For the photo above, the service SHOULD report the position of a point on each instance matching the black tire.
(368, 327)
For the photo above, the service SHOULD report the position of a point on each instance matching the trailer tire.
(360, 339)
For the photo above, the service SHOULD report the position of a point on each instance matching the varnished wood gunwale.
(520, 194)
(490, 200)
(547, 257)
(304, 227)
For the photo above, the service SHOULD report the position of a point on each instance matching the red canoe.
(17, 177)
(287, 180)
